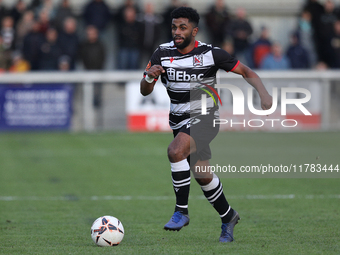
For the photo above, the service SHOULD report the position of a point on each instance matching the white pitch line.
(125, 198)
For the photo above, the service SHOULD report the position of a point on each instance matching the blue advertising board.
(35, 107)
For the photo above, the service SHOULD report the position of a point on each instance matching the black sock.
(181, 184)
(214, 193)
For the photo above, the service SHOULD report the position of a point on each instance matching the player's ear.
(195, 31)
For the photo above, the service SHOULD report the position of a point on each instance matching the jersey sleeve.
(154, 60)
(223, 60)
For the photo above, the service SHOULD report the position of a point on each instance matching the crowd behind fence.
(46, 35)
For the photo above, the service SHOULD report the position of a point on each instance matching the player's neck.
(189, 48)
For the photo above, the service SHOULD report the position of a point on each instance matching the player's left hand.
(266, 101)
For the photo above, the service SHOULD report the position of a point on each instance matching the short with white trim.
(201, 128)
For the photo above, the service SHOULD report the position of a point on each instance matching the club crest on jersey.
(171, 74)
(198, 60)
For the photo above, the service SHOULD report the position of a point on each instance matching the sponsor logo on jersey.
(198, 60)
(174, 75)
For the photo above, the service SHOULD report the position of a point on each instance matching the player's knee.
(175, 154)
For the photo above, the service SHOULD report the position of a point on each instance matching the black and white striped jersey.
(187, 76)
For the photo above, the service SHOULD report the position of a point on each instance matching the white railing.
(87, 79)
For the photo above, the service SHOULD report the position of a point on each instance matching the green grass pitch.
(54, 185)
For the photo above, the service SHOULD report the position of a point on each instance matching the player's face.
(183, 32)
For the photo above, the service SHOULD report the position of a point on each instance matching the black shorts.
(201, 129)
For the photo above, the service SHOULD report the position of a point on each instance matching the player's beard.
(186, 41)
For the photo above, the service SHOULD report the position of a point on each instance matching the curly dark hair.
(186, 12)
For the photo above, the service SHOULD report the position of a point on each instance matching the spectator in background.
(316, 10)
(335, 43)
(18, 11)
(8, 32)
(44, 21)
(241, 31)
(297, 54)
(47, 7)
(64, 64)
(217, 21)
(130, 34)
(119, 16)
(63, 11)
(5, 57)
(3, 11)
(68, 40)
(275, 60)
(261, 48)
(31, 46)
(50, 51)
(97, 13)
(19, 64)
(327, 21)
(92, 51)
(167, 18)
(151, 31)
(306, 34)
(34, 4)
(24, 26)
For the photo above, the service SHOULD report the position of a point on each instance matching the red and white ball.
(107, 231)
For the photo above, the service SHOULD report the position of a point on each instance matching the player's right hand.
(155, 71)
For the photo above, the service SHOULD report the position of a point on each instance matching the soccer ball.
(107, 231)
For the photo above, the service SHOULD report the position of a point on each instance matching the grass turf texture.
(50, 180)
